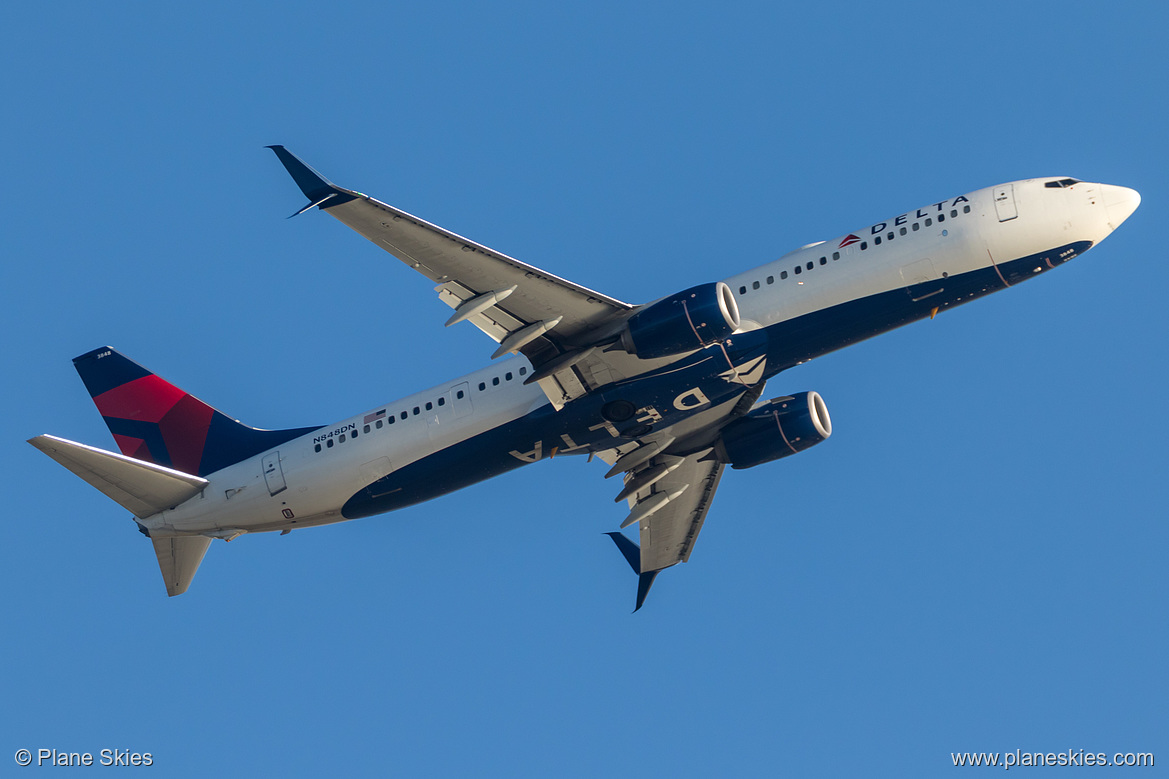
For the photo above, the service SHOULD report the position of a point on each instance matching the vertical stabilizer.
(156, 422)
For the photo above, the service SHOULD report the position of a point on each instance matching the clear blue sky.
(976, 561)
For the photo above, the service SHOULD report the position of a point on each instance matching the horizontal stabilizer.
(178, 559)
(142, 488)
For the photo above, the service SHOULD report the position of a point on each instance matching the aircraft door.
(461, 400)
(274, 474)
(1004, 202)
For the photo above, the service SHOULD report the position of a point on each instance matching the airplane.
(667, 394)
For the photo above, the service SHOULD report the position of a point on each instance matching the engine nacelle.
(783, 427)
(683, 322)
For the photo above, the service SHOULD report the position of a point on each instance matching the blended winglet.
(632, 554)
(318, 189)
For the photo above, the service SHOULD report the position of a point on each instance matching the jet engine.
(683, 322)
(782, 427)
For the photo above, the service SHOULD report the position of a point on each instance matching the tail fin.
(632, 554)
(156, 422)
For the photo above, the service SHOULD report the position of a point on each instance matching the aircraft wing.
(552, 321)
(670, 495)
(668, 532)
(668, 536)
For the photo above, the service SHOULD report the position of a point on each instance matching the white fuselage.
(306, 481)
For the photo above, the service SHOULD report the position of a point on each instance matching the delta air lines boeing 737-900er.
(667, 394)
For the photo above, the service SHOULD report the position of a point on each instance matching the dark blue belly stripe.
(787, 344)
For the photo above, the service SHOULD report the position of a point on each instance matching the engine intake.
(683, 322)
(783, 427)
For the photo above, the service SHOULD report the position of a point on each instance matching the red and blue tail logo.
(156, 422)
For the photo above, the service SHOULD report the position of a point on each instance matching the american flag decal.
(377, 415)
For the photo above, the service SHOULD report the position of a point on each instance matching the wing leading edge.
(552, 321)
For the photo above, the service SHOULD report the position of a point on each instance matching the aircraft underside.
(546, 432)
(667, 394)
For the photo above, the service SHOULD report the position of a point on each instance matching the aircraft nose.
(1120, 202)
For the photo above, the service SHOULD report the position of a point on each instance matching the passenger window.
(379, 423)
(783, 274)
(429, 406)
(482, 386)
(317, 448)
(416, 410)
(329, 443)
(836, 255)
(391, 419)
(864, 245)
(928, 221)
(811, 265)
(823, 260)
(341, 440)
(904, 231)
(354, 434)
(890, 236)
(742, 290)
(459, 395)
(442, 401)
(770, 279)
(941, 218)
(915, 227)
(365, 429)
(755, 285)
(495, 382)
(954, 214)
(966, 209)
(404, 415)
(798, 269)
(523, 371)
(507, 376)
(877, 241)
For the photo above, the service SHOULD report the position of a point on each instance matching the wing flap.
(495, 322)
(668, 535)
(140, 487)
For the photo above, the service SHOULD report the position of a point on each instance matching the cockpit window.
(1061, 183)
